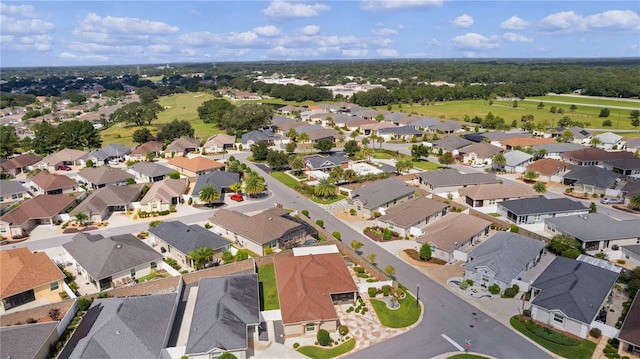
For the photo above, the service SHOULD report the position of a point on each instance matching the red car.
(63, 168)
(237, 197)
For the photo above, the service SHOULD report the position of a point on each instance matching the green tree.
(81, 218)
(540, 187)
(212, 111)
(209, 194)
(564, 245)
(499, 160)
(137, 113)
(8, 141)
(607, 123)
(236, 187)
(302, 137)
(530, 175)
(88, 163)
(604, 112)
(292, 134)
(371, 257)
(379, 117)
(324, 188)
(201, 256)
(390, 270)
(425, 252)
(46, 139)
(227, 355)
(324, 339)
(260, 151)
(254, 184)
(174, 175)
(246, 117)
(142, 135)
(291, 146)
(324, 145)
(573, 107)
(634, 115)
(635, 201)
(351, 147)
(540, 105)
(595, 141)
(241, 255)
(297, 163)
(356, 245)
(419, 151)
(446, 159)
(349, 175)
(277, 160)
(567, 135)
(335, 176)
(175, 129)
(78, 134)
(403, 166)
(593, 208)
(146, 94)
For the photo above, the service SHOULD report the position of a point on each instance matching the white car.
(113, 162)
(478, 165)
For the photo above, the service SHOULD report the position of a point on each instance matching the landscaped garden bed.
(318, 352)
(415, 255)
(407, 314)
(381, 234)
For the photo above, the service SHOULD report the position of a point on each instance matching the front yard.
(407, 314)
(267, 287)
(326, 353)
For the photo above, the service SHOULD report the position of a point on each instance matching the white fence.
(364, 287)
(68, 317)
(460, 256)
(607, 331)
(270, 315)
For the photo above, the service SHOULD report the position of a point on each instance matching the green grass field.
(601, 102)
(406, 315)
(326, 353)
(268, 289)
(582, 351)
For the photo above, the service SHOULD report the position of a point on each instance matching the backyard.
(268, 288)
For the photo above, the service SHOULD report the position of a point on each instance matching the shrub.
(425, 252)
(514, 228)
(595, 332)
(512, 291)
(358, 269)
(343, 330)
(324, 338)
(296, 345)
(54, 314)
(31, 320)
(377, 214)
(469, 281)
(320, 223)
(336, 235)
(172, 263)
(372, 292)
(527, 313)
(84, 304)
(464, 285)
(353, 212)
(621, 261)
(190, 201)
(155, 223)
(494, 288)
(207, 225)
(305, 213)
(386, 234)
(227, 257)
(385, 290)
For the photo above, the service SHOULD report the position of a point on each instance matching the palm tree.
(292, 134)
(540, 187)
(499, 160)
(81, 217)
(324, 188)
(201, 256)
(236, 187)
(302, 137)
(254, 184)
(530, 175)
(595, 141)
(349, 175)
(336, 174)
(403, 166)
(635, 201)
(540, 153)
(366, 151)
(209, 194)
(297, 163)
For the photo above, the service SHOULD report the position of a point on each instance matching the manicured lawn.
(286, 180)
(426, 165)
(466, 356)
(330, 200)
(407, 314)
(151, 276)
(584, 100)
(383, 156)
(494, 214)
(268, 288)
(323, 353)
(582, 351)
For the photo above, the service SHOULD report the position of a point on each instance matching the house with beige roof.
(103, 176)
(19, 164)
(479, 153)
(487, 195)
(164, 194)
(196, 166)
(140, 153)
(309, 287)
(454, 235)
(43, 209)
(410, 217)
(549, 169)
(272, 228)
(182, 146)
(378, 195)
(103, 202)
(67, 156)
(219, 143)
(51, 183)
(26, 277)
(523, 142)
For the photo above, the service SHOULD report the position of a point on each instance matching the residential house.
(524, 142)
(479, 153)
(580, 135)
(385, 193)
(569, 295)
(549, 169)
(537, 209)
(31, 341)
(450, 180)
(456, 232)
(226, 314)
(517, 161)
(140, 153)
(632, 144)
(43, 209)
(103, 176)
(629, 333)
(50, 183)
(496, 137)
(409, 217)
(163, 195)
(451, 144)
(594, 156)
(591, 180)
(219, 143)
(610, 141)
(108, 153)
(108, 262)
(503, 259)
(488, 195)
(19, 164)
(12, 191)
(289, 109)
(630, 189)
(148, 172)
(272, 228)
(177, 240)
(402, 133)
(309, 287)
(103, 202)
(182, 146)
(325, 163)
(67, 157)
(556, 150)
(196, 166)
(221, 180)
(624, 166)
(128, 327)
(253, 137)
(596, 231)
(366, 113)
(421, 123)
(446, 127)
(631, 253)
(26, 277)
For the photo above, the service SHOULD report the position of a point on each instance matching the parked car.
(612, 200)
(237, 197)
(63, 168)
(478, 165)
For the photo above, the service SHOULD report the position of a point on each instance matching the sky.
(70, 33)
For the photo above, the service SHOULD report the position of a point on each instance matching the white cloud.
(268, 31)
(160, 48)
(232, 39)
(387, 52)
(290, 53)
(513, 37)
(433, 43)
(562, 21)
(31, 26)
(231, 53)
(474, 41)
(188, 52)
(40, 43)
(464, 21)
(514, 23)
(121, 30)
(614, 20)
(385, 31)
(279, 10)
(469, 54)
(6, 38)
(21, 10)
(384, 5)
(76, 57)
(309, 30)
(355, 53)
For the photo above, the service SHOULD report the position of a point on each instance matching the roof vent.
(117, 332)
(118, 245)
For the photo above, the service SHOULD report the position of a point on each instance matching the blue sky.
(67, 33)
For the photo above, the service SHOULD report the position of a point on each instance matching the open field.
(179, 106)
(596, 101)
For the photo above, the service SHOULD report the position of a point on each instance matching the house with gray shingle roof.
(222, 180)
(110, 152)
(451, 144)
(129, 327)
(570, 294)
(11, 191)
(517, 161)
(148, 172)
(537, 209)
(454, 235)
(479, 153)
(609, 140)
(219, 143)
(423, 123)
(450, 180)
(182, 146)
(402, 133)
(42, 209)
(630, 331)
(385, 193)
(164, 194)
(179, 239)
(624, 166)
(503, 259)
(325, 163)
(226, 314)
(103, 202)
(410, 216)
(30, 341)
(447, 127)
(108, 262)
(590, 179)
(103, 176)
(556, 150)
(486, 195)
(596, 231)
